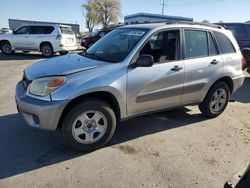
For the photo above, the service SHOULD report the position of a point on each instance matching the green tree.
(108, 11)
(90, 14)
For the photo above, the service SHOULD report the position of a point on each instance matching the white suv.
(47, 39)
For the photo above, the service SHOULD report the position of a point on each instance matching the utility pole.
(163, 6)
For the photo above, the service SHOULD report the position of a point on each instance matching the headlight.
(45, 86)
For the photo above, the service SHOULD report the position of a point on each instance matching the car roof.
(59, 25)
(176, 25)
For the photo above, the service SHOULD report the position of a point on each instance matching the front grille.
(25, 82)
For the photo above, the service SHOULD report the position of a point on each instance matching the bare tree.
(90, 14)
(108, 11)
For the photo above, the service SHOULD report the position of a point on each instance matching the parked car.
(47, 39)
(88, 41)
(132, 71)
(241, 31)
(5, 30)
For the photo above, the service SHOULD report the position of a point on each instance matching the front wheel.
(6, 48)
(89, 125)
(216, 100)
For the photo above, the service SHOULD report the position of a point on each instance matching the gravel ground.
(177, 148)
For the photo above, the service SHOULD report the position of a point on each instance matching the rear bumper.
(238, 82)
(37, 113)
(65, 48)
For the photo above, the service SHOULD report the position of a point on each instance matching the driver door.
(21, 38)
(160, 86)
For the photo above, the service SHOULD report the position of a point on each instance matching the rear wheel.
(89, 125)
(63, 52)
(47, 50)
(216, 100)
(6, 48)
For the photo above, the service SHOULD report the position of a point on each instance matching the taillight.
(243, 63)
(59, 36)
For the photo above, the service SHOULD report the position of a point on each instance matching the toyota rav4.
(133, 70)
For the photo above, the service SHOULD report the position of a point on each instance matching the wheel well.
(42, 43)
(102, 95)
(2, 41)
(228, 81)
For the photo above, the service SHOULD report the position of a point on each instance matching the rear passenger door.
(203, 64)
(39, 34)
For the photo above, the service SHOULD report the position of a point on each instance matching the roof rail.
(198, 23)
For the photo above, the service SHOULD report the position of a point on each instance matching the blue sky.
(69, 11)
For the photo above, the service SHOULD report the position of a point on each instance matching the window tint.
(41, 29)
(67, 30)
(212, 48)
(163, 46)
(224, 43)
(196, 43)
(22, 30)
(48, 29)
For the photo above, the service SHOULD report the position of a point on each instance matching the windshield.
(116, 45)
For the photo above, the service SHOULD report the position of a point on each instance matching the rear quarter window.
(225, 45)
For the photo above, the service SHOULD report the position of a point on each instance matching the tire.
(6, 48)
(63, 52)
(81, 132)
(47, 50)
(218, 95)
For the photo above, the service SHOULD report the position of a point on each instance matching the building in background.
(140, 18)
(15, 24)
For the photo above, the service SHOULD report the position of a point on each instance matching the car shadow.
(20, 56)
(23, 149)
(242, 95)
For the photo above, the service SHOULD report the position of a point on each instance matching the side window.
(224, 43)
(22, 30)
(196, 43)
(48, 29)
(36, 30)
(163, 46)
(212, 47)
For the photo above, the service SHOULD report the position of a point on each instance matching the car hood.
(63, 65)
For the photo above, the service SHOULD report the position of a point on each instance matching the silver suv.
(133, 70)
(47, 39)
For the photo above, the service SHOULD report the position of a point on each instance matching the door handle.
(176, 68)
(215, 62)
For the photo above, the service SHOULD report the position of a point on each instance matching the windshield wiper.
(96, 57)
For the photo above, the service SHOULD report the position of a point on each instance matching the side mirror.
(144, 61)
(14, 32)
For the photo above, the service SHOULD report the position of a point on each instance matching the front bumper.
(37, 113)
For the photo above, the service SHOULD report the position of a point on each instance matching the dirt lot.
(177, 148)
